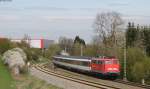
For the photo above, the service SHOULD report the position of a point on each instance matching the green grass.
(6, 80)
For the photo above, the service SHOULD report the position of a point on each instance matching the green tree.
(5, 45)
(131, 35)
(79, 40)
(146, 40)
(78, 46)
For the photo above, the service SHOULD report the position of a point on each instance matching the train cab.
(105, 66)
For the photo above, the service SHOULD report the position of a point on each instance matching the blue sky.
(51, 19)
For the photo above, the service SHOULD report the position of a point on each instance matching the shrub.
(5, 45)
(135, 57)
(15, 58)
(33, 54)
(52, 50)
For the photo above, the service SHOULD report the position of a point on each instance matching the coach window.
(57, 59)
(62, 60)
(84, 63)
(72, 62)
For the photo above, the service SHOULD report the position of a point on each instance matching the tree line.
(138, 36)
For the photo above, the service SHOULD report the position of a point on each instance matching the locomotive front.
(106, 66)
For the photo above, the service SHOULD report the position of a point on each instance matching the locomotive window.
(108, 62)
(100, 62)
(97, 62)
(115, 62)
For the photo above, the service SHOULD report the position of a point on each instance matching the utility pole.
(125, 60)
(81, 50)
(65, 49)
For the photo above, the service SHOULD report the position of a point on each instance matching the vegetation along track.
(78, 80)
(132, 83)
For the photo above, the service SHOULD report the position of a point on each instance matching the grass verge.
(6, 80)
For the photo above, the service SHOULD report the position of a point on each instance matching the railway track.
(78, 80)
(121, 81)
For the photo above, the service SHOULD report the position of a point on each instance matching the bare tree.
(106, 27)
(107, 24)
(66, 43)
(26, 40)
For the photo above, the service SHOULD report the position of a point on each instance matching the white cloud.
(138, 19)
(9, 17)
(51, 18)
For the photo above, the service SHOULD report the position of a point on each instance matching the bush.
(24, 70)
(76, 49)
(33, 54)
(135, 57)
(141, 70)
(5, 45)
(52, 50)
(15, 58)
(90, 51)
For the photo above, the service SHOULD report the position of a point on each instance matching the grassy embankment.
(6, 80)
(25, 81)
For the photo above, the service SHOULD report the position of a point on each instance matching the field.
(6, 80)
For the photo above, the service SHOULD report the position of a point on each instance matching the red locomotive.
(107, 66)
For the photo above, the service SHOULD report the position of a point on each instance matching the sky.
(51, 19)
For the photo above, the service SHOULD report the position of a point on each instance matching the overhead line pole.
(81, 49)
(125, 60)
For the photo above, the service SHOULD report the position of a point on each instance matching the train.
(106, 66)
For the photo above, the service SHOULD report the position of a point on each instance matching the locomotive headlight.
(115, 69)
(110, 69)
